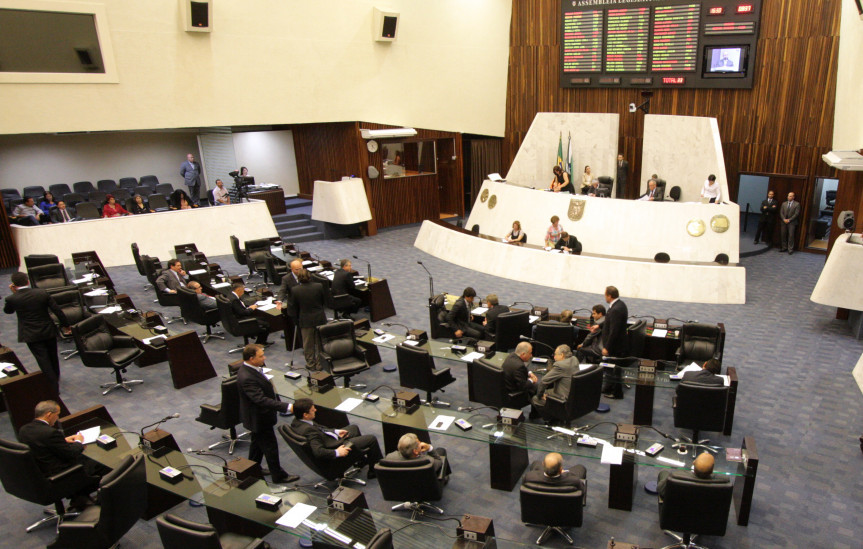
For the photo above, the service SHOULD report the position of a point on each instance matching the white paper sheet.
(295, 515)
(90, 435)
(349, 404)
(96, 293)
(479, 311)
(197, 271)
(110, 310)
(411, 342)
(383, 338)
(659, 332)
(267, 307)
(470, 357)
(611, 455)
(441, 423)
(149, 339)
(221, 284)
(670, 461)
(691, 368)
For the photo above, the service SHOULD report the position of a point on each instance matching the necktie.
(180, 280)
(65, 216)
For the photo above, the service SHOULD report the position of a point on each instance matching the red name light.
(677, 80)
(745, 8)
(716, 11)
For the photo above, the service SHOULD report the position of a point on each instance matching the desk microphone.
(523, 303)
(530, 339)
(369, 265)
(206, 453)
(431, 279)
(158, 423)
(388, 324)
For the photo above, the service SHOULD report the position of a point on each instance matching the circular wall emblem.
(492, 202)
(695, 227)
(484, 195)
(719, 223)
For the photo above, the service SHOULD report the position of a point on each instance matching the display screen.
(724, 59)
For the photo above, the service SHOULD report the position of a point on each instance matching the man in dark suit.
(516, 377)
(769, 208)
(289, 281)
(789, 213)
(459, 317)
(707, 375)
(172, 278)
(568, 243)
(654, 193)
(35, 327)
(306, 308)
(622, 175)
(62, 213)
(410, 448)
(327, 443)
(702, 471)
(590, 350)
(259, 404)
(494, 309)
(191, 172)
(614, 329)
(241, 310)
(550, 472)
(343, 284)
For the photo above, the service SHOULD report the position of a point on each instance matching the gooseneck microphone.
(431, 279)
(530, 339)
(158, 423)
(206, 453)
(368, 265)
(388, 324)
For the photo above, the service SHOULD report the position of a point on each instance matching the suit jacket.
(515, 375)
(306, 305)
(237, 306)
(459, 316)
(48, 445)
(686, 475)
(55, 216)
(288, 283)
(768, 211)
(191, 172)
(207, 302)
(658, 194)
(168, 280)
(343, 283)
(703, 376)
(491, 317)
(568, 478)
(34, 322)
(558, 380)
(622, 173)
(258, 400)
(323, 446)
(614, 329)
(435, 457)
(571, 242)
(790, 211)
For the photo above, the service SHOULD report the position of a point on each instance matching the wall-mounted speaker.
(846, 220)
(385, 25)
(197, 15)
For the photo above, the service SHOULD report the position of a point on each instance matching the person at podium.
(653, 193)
(552, 235)
(561, 182)
(711, 190)
(568, 243)
(516, 234)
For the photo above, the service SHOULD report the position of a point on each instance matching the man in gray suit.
(171, 279)
(191, 172)
(789, 212)
(207, 302)
(558, 380)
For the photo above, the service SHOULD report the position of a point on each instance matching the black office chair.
(179, 533)
(674, 194)
(191, 310)
(122, 501)
(35, 260)
(136, 254)
(149, 180)
(511, 325)
(553, 333)
(338, 351)
(606, 183)
(383, 539)
(73, 199)
(225, 416)
(238, 327)
(555, 507)
(169, 300)
(698, 343)
(98, 197)
(275, 271)
(72, 305)
(417, 371)
(700, 407)
(83, 187)
(413, 482)
(58, 190)
(486, 386)
(585, 394)
(143, 190)
(637, 335)
(128, 183)
(51, 277)
(100, 349)
(106, 185)
(438, 326)
(257, 252)
(22, 478)
(87, 210)
(35, 191)
(340, 304)
(122, 195)
(338, 470)
(694, 507)
(152, 268)
(165, 189)
(239, 254)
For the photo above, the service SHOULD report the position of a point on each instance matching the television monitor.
(725, 61)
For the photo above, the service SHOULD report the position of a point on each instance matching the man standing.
(258, 406)
(516, 377)
(622, 175)
(343, 284)
(306, 308)
(411, 448)
(207, 302)
(240, 310)
(767, 221)
(62, 213)
(220, 194)
(790, 215)
(191, 172)
(614, 328)
(171, 278)
(290, 280)
(35, 327)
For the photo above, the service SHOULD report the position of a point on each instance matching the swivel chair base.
(686, 541)
(435, 402)
(121, 382)
(418, 508)
(348, 476)
(231, 439)
(206, 337)
(51, 516)
(549, 530)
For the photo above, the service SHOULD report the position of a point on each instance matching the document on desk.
(96, 293)
(296, 515)
(470, 357)
(110, 310)
(84, 279)
(383, 338)
(151, 339)
(479, 311)
(611, 455)
(221, 285)
(349, 404)
(198, 272)
(308, 262)
(441, 423)
(659, 332)
(315, 269)
(90, 435)
(267, 307)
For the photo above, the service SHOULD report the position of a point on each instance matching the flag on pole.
(560, 150)
(569, 155)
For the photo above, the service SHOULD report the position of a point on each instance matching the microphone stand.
(388, 324)
(431, 279)
(523, 303)
(531, 340)
(369, 268)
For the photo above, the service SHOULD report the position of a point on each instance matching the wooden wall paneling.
(8, 252)
(326, 152)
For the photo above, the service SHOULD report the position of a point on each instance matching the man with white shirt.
(241, 310)
(220, 194)
(171, 278)
(711, 190)
(27, 213)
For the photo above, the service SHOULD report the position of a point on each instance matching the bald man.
(289, 281)
(702, 470)
(550, 472)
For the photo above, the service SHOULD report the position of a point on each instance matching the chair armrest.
(442, 472)
(209, 414)
(360, 352)
(124, 341)
(70, 481)
(328, 359)
(674, 401)
(555, 406)
(443, 373)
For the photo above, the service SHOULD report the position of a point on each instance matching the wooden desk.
(275, 199)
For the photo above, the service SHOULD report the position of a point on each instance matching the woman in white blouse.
(710, 190)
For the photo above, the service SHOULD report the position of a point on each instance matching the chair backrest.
(152, 268)
(336, 339)
(36, 191)
(409, 480)
(136, 254)
(157, 202)
(551, 505)
(239, 255)
(59, 189)
(20, 474)
(486, 386)
(128, 182)
(695, 506)
(257, 251)
(83, 187)
(326, 285)
(92, 338)
(383, 539)
(190, 307)
(698, 341)
(511, 325)
(164, 189)
(179, 533)
(416, 367)
(72, 304)
(231, 400)
(585, 392)
(73, 199)
(48, 277)
(674, 193)
(123, 498)
(274, 274)
(437, 315)
(10, 193)
(34, 260)
(637, 335)
(700, 407)
(143, 190)
(229, 321)
(150, 180)
(121, 195)
(98, 197)
(87, 210)
(106, 185)
(553, 333)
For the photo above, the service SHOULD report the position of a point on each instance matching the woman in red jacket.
(111, 208)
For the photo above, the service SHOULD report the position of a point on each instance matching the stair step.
(290, 217)
(308, 237)
(291, 233)
(292, 224)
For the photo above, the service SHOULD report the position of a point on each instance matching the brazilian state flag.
(560, 150)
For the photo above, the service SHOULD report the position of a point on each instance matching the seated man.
(27, 213)
(411, 448)
(550, 472)
(343, 284)
(593, 189)
(459, 317)
(708, 374)
(220, 194)
(557, 381)
(207, 302)
(590, 350)
(516, 377)
(329, 443)
(494, 309)
(171, 278)
(241, 310)
(62, 213)
(653, 193)
(702, 470)
(568, 243)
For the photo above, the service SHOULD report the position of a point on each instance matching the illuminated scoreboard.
(658, 43)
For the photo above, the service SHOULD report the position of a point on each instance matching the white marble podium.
(342, 202)
(837, 285)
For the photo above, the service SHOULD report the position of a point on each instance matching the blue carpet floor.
(797, 398)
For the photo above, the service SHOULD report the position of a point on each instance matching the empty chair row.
(85, 187)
